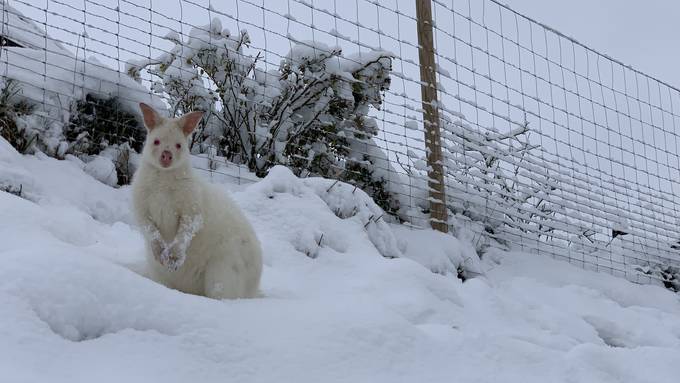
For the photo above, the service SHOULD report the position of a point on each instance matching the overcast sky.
(644, 34)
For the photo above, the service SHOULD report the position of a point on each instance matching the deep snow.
(347, 298)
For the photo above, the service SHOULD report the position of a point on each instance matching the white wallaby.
(197, 239)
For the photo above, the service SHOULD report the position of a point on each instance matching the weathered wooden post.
(428, 89)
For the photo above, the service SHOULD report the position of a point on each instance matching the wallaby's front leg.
(158, 245)
(176, 252)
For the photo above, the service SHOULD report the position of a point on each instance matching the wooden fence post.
(428, 89)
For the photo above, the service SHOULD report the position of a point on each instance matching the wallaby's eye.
(178, 146)
(156, 141)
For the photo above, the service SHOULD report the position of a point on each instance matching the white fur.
(197, 239)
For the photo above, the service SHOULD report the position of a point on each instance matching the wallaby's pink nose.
(166, 158)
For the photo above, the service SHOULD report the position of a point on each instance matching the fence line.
(547, 145)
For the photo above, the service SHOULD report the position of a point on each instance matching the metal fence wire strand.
(548, 146)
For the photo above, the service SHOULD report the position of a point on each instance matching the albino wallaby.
(197, 239)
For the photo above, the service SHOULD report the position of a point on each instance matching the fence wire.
(549, 146)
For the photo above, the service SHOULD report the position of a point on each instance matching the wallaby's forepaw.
(171, 257)
(157, 249)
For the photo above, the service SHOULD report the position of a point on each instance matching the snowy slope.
(338, 305)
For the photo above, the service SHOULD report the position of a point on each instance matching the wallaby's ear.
(189, 121)
(151, 117)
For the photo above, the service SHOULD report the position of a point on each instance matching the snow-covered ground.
(347, 298)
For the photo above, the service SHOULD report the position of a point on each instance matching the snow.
(25, 32)
(340, 303)
(440, 253)
(57, 78)
(54, 183)
(411, 124)
(103, 170)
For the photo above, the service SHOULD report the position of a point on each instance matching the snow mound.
(319, 214)
(440, 253)
(103, 170)
(51, 182)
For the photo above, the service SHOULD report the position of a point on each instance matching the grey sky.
(644, 34)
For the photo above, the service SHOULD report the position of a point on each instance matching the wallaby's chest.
(165, 205)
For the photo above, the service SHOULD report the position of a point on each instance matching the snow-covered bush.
(310, 114)
(12, 109)
(98, 130)
(631, 249)
(489, 183)
(98, 122)
(60, 103)
(492, 197)
(667, 274)
(99, 125)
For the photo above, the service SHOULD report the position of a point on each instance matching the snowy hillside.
(347, 298)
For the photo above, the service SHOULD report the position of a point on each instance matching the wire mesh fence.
(548, 146)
